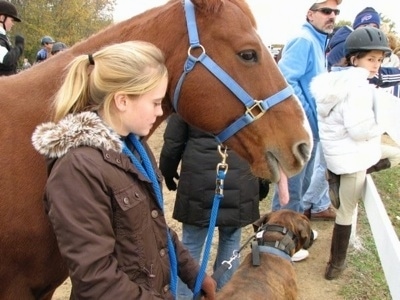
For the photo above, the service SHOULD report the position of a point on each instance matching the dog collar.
(286, 244)
(272, 250)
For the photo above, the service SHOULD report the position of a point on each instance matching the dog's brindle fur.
(275, 277)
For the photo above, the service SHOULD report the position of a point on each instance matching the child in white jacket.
(349, 129)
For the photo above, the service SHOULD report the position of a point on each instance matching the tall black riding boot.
(334, 184)
(339, 245)
(382, 164)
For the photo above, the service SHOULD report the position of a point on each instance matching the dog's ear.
(261, 221)
(305, 232)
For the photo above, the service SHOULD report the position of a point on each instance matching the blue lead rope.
(146, 168)
(214, 213)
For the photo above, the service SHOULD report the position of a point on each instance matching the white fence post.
(386, 240)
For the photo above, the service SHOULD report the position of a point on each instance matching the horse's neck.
(155, 26)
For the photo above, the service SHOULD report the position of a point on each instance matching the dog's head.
(298, 224)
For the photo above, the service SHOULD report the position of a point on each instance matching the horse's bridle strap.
(248, 118)
(254, 108)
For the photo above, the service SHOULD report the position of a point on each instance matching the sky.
(288, 15)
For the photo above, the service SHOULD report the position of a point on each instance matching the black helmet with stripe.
(366, 39)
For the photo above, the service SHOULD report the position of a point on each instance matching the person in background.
(393, 60)
(26, 64)
(9, 55)
(387, 77)
(44, 53)
(58, 47)
(197, 151)
(367, 17)
(347, 106)
(390, 151)
(303, 57)
(117, 245)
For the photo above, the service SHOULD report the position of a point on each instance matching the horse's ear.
(261, 221)
(208, 5)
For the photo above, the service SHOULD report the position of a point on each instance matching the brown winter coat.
(109, 227)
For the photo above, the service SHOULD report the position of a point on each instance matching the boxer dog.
(267, 272)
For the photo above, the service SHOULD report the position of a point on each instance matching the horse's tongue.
(283, 188)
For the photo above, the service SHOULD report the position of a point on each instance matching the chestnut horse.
(276, 144)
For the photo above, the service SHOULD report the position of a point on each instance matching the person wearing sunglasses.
(327, 11)
(303, 57)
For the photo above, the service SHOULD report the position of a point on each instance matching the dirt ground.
(311, 282)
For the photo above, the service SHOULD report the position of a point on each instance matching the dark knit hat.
(367, 16)
(336, 45)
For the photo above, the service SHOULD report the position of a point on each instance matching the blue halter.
(254, 108)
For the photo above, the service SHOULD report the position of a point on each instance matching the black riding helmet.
(366, 39)
(47, 40)
(57, 47)
(8, 9)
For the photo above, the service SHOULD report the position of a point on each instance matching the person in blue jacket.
(303, 57)
(45, 52)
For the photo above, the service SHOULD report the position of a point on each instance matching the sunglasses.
(327, 11)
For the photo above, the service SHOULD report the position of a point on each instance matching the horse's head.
(279, 140)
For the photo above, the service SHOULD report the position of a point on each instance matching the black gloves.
(168, 168)
(263, 188)
(20, 42)
(170, 182)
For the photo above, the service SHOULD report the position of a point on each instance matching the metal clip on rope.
(222, 169)
(234, 256)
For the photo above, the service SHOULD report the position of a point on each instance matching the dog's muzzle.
(309, 241)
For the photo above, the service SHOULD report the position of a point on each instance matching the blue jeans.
(317, 194)
(304, 183)
(194, 237)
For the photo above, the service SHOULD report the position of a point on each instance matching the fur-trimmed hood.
(331, 88)
(54, 140)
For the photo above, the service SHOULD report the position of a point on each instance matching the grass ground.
(367, 280)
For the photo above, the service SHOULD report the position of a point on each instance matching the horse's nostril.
(303, 151)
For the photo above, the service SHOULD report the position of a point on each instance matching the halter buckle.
(256, 111)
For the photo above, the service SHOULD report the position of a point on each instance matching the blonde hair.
(392, 40)
(133, 68)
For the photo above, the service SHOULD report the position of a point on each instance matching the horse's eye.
(249, 56)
